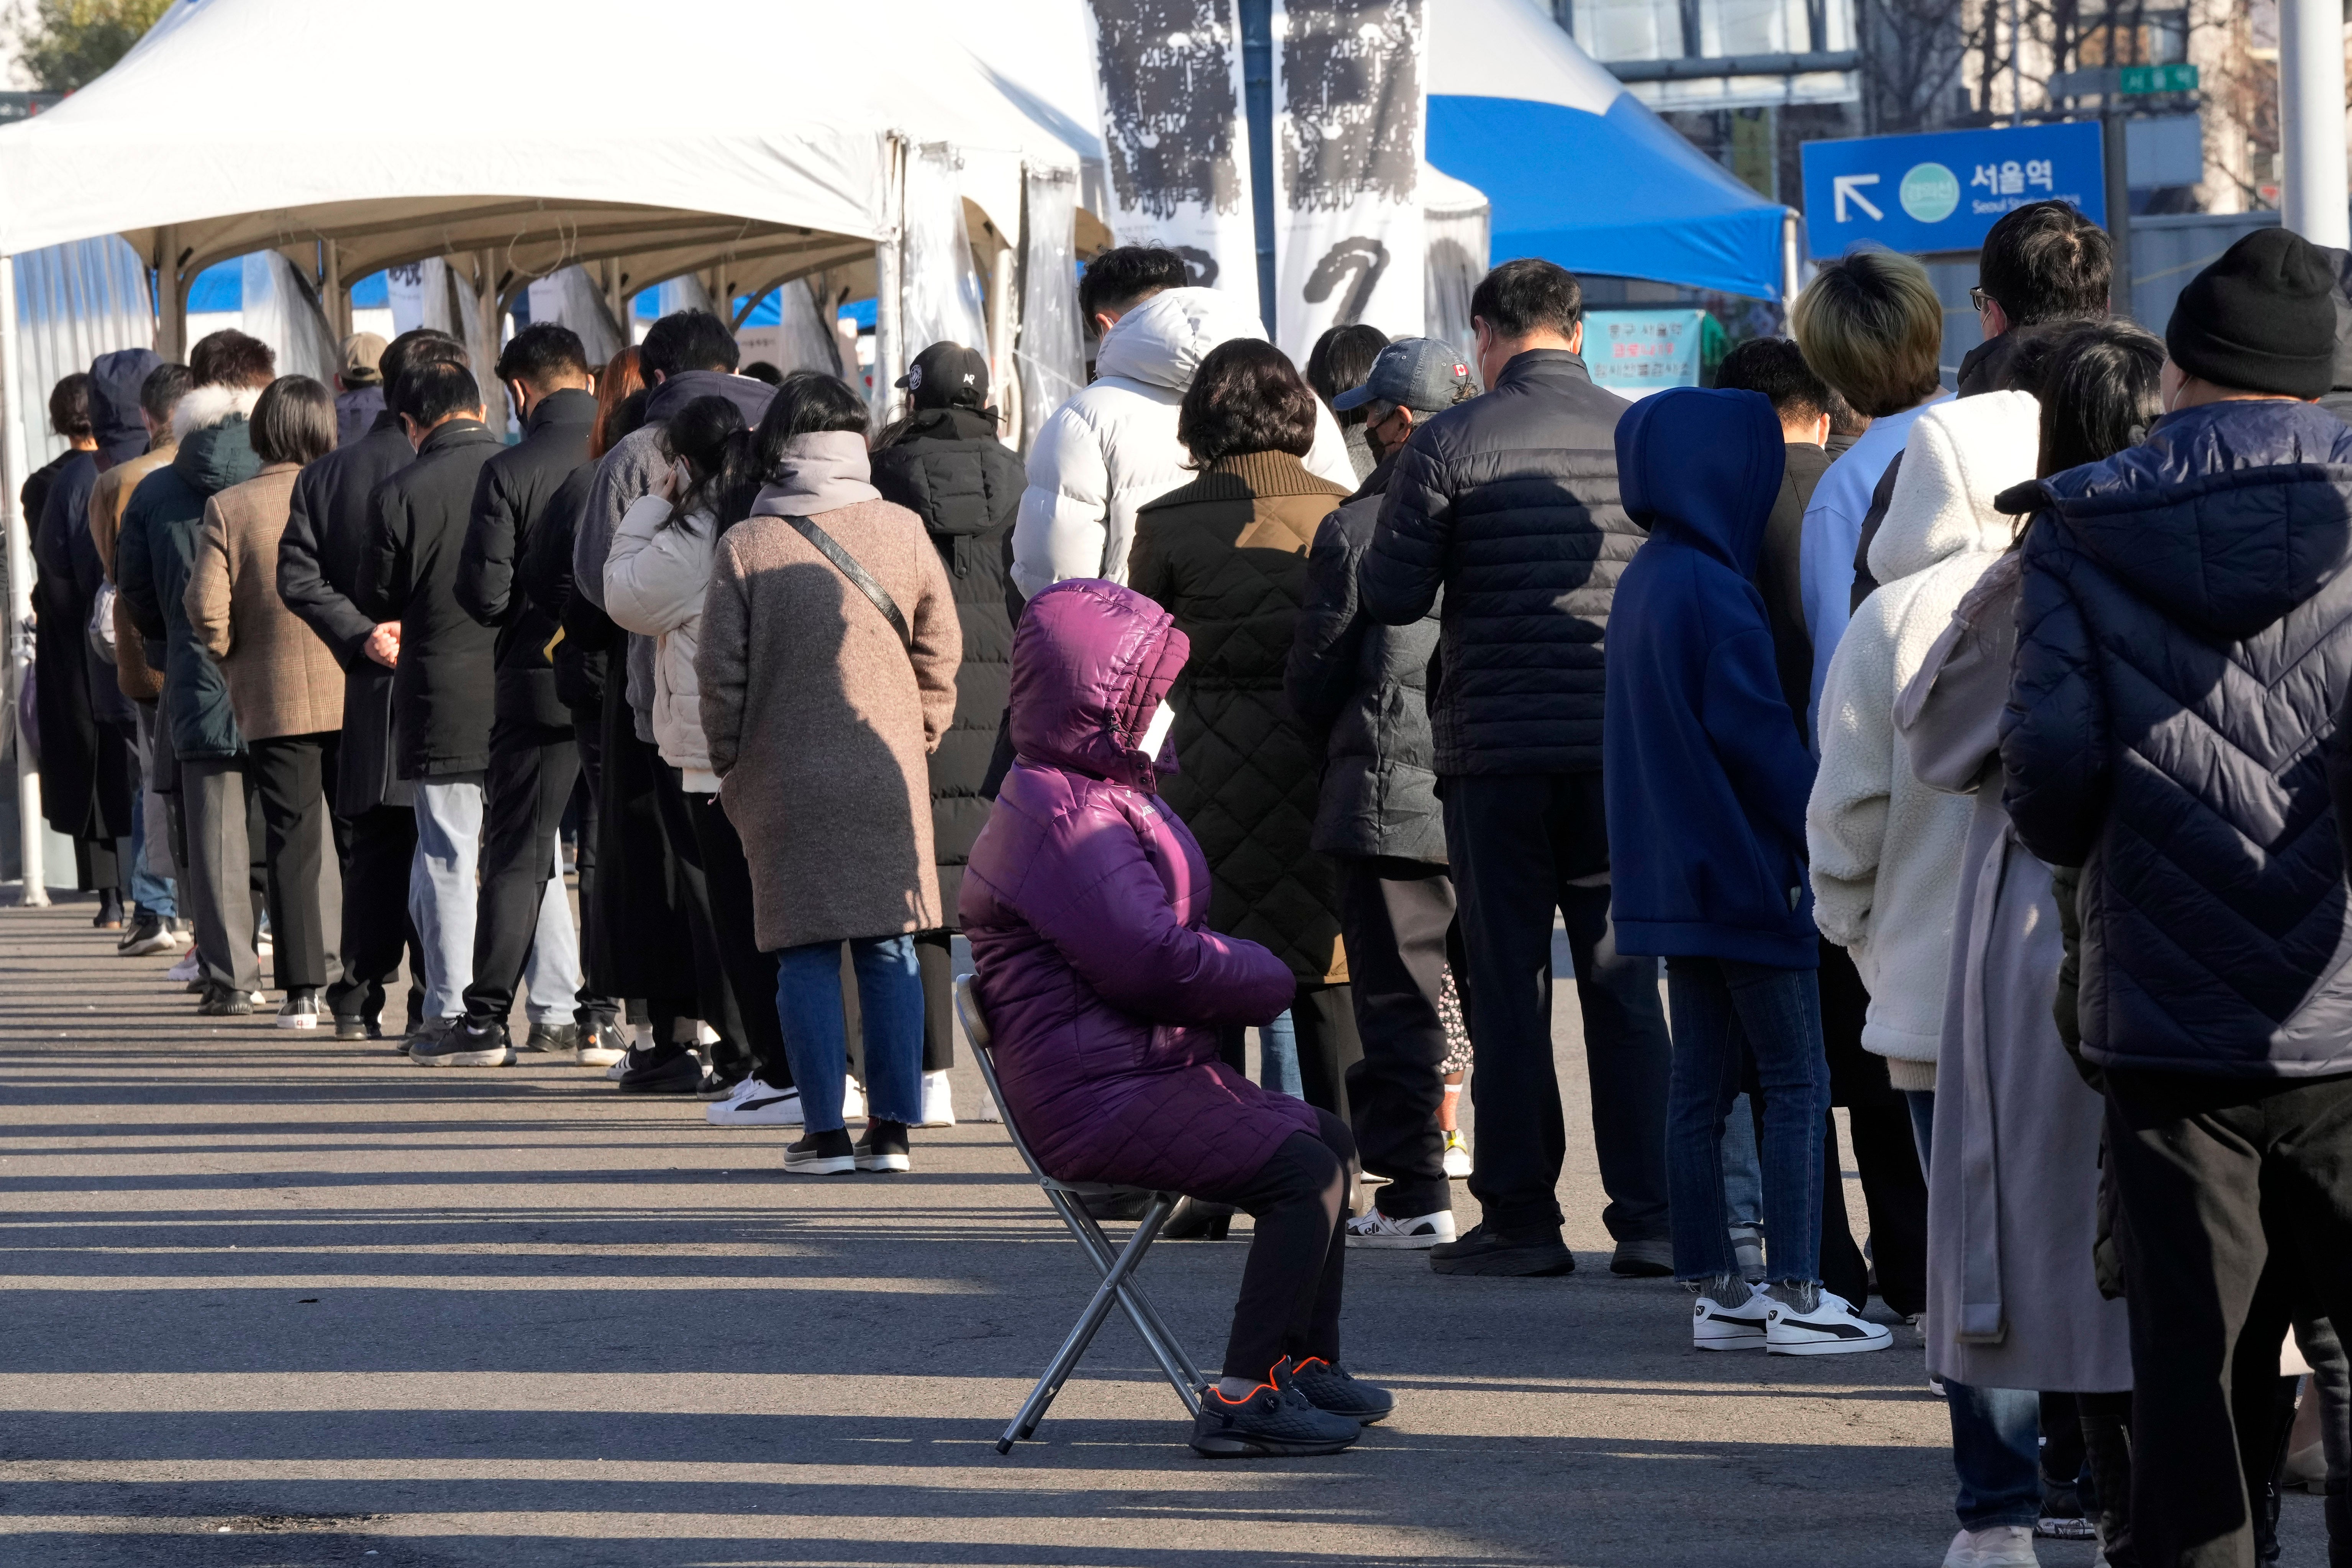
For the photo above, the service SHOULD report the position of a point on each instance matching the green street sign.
(2179, 78)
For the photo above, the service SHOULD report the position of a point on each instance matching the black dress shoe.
(1527, 1254)
(1194, 1220)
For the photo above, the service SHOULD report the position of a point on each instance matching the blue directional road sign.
(1942, 192)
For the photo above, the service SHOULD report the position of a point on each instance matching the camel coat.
(819, 720)
(138, 679)
(282, 680)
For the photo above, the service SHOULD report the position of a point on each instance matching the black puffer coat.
(949, 469)
(545, 572)
(442, 689)
(2184, 644)
(515, 490)
(1226, 556)
(1361, 689)
(1509, 503)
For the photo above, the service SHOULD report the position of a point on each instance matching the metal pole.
(171, 322)
(20, 591)
(1003, 316)
(2312, 194)
(338, 297)
(2016, 66)
(889, 287)
(2113, 155)
(486, 350)
(1789, 284)
(1257, 92)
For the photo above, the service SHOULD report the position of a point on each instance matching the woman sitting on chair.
(1084, 901)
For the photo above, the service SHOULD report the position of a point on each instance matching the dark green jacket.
(157, 553)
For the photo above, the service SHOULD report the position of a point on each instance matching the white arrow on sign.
(1846, 188)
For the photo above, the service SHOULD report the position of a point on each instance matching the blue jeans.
(1743, 1178)
(1277, 1057)
(890, 1002)
(444, 902)
(1996, 1432)
(1723, 1010)
(152, 893)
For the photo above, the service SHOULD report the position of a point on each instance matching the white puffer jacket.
(1886, 847)
(654, 578)
(1112, 449)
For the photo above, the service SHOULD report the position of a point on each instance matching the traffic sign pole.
(2115, 156)
(2312, 194)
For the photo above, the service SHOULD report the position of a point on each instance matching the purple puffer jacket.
(1084, 900)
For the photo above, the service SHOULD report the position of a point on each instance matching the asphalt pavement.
(274, 1299)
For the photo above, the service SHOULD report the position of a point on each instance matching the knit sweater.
(1885, 848)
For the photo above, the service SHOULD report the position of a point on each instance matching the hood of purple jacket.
(1092, 662)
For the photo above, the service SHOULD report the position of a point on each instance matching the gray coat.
(2012, 1196)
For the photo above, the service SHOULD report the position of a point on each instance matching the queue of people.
(1972, 762)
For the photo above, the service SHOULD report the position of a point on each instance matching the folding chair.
(1117, 1267)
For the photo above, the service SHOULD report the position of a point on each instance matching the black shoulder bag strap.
(859, 577)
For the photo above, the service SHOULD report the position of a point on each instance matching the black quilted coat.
(2185, 642)
(948, 468)
(1226, 556)
(1509, 503)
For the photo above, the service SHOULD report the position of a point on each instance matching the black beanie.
(2260, 319)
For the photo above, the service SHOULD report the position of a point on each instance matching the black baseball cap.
(946, 375)
(1422, 373)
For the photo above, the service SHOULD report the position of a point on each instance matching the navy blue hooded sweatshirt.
(1706, 775)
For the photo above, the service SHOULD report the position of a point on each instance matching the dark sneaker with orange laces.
(1330, 1386)
(1276, 1421)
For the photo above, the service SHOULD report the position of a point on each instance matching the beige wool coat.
(819, 722)
(281, 678)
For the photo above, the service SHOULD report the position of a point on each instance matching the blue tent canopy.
(1579, 170)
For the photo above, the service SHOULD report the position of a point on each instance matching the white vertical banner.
(1349, 127)
(1168, 80)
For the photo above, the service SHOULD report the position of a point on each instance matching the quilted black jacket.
(948, 468)
(1509, 504)
(2184, 645)
(512, 498)
(1362, 688)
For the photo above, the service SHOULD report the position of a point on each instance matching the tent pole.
(1788, 283)
(20, 591)
(171, 322)
(889, 286)
(1003, 321)
(338, 298)
(613, 300)
(486, 350)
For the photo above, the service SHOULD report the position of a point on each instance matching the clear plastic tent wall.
(572, 299)
(942, 291)
(74, 302)
(1457, 240)
(806, 340)
(280, 309)
(1051, 354)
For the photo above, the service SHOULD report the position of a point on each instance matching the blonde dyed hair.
(1869, 325)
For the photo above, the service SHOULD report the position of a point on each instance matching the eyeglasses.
(1980, 298)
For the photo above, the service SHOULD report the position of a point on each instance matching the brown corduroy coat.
(108, 500)
(1226, 556)
(819, 720)
(282, 680)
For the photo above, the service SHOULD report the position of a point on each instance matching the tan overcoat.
(108, 500)
(281, 678)
(819, 720)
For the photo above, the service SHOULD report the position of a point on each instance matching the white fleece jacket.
(1887, 848)
(654, 578)
(1111, 449)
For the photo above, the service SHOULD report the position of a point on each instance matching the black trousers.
(597, 996)
(1394, 916)
(1523, 846)
(748, 975)
(1323, 1024)
(935, 957)
(2219, 1179)
(714, 998)
(377, 846)
(1289, 1301)
(1894, 1191)
(524, 790)
(642, 927)
(294, 776)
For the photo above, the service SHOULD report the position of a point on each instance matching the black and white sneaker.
(660, 1070)
(466, 1045)
(1378, 1230)
(148, 934)
(601, 1044)
(300, 1010)
(1331, 1386)
(1805, 1320)
(821, 1155)
(716, 1085)
(756, 1104)
(884, 1148)
(1730, 1315)
(1274, 1421)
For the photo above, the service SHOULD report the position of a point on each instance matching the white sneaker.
(756, 1104)
(1457, 1157)
(1375, 1229)
(1810, 1320)
(2000, 1546)
(938, 1101)
(187, 969)
(1721, 1325)
(853, 1100)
